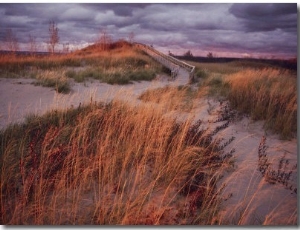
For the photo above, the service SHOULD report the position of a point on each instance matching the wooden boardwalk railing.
(168, 61)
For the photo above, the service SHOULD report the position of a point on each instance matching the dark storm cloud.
(236, 28)
(262, 10)
(120, 9)
(266, 17)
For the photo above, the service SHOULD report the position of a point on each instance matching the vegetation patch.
(121, 63)
(112, 76)
(269, 95)
(53, 79)
(172, 98)
(109, 164)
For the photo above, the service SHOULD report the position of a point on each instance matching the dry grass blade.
(107, 164)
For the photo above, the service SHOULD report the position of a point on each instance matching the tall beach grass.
(266, 94)
(269, 95)
(108, 164)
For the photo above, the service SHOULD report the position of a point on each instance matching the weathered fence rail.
(170, 62)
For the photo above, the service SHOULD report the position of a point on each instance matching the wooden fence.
(170, 62)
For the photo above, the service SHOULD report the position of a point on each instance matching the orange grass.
(266, 94)
(176, 98)
(108, 164)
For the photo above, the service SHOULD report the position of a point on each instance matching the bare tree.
(188, 54)
(210, 55)
(171, 54)
(32, 45)
(53, 36)
(104, 40)
(11, 41)
(66, 47)
(131, 37)
(1, 42)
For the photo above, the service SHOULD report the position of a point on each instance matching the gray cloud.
(266, 17)
(224, 28)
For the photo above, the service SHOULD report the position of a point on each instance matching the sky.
(262, 30)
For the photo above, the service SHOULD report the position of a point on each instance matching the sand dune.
(251, 200)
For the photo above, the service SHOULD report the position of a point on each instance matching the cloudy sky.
(257, 30)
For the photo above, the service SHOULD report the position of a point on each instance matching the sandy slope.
(251, 199)
(259, 202)
(19, 97)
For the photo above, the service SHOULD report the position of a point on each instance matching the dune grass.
(173, 98)
(269, 95)
(121, 64)
(109, 164)
(265, 94)
(54, 79)
(112, 76)
(119, 164)
(204, 68)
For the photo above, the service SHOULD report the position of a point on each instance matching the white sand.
(19, 97)
(258, 201)
(253, 201)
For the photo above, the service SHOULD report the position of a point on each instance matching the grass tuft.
(173, 98)
(53, 79)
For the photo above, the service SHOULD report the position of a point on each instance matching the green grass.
(203, 69)
(53, 79)
(115, 76)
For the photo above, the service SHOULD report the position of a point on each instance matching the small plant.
(281, 175)
(201, 73)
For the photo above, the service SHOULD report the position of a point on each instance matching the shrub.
(200, 73)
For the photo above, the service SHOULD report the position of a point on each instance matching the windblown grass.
(108, 164)
(174, 98)
(268, 95)
(265, 94)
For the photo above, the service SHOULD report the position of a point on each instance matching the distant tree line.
(189, 55)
